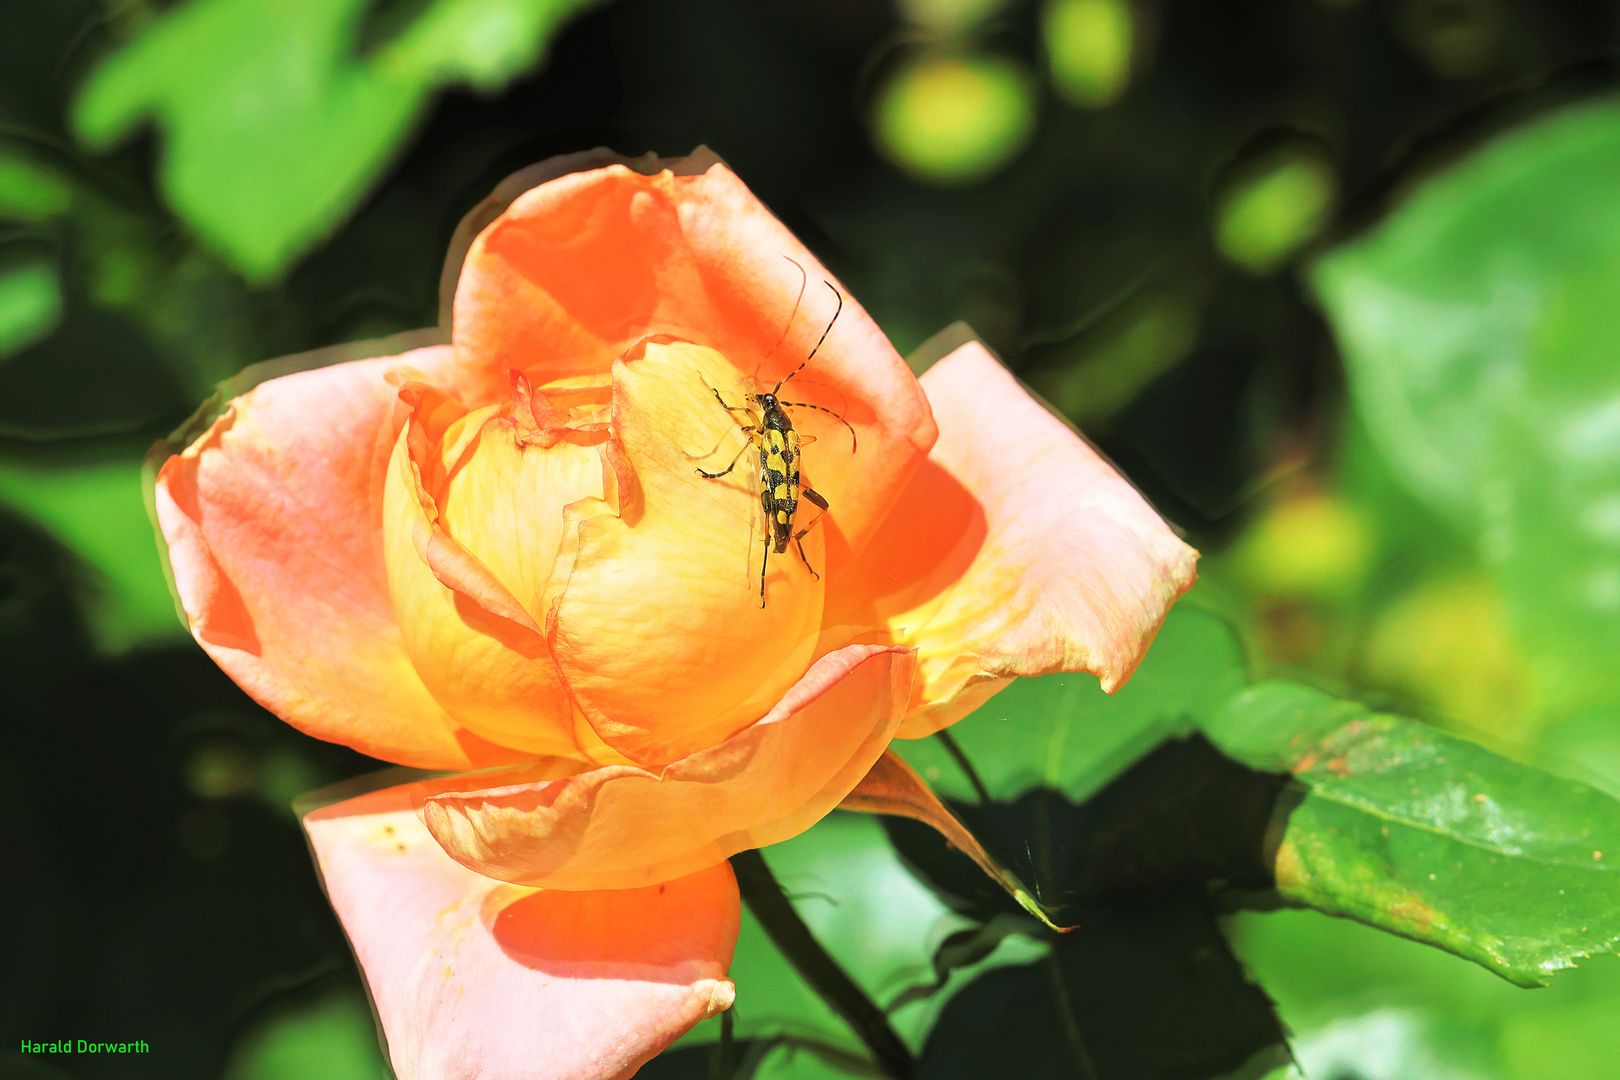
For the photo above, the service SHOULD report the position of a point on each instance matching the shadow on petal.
(924, 548)
(605, 935)
(476, 980)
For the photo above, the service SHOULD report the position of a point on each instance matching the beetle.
(770, 432)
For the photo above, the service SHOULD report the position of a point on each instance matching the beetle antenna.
(804, 279)
(839, 311)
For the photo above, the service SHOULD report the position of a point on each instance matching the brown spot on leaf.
(1412, 912)
(1289, 868)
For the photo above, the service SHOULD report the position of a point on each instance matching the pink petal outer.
(274, 524)
(621, 826)
(1016, 550)
(582, 266)
(474, 979)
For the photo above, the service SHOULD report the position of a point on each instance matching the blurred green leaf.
(30, 192)
(97, 512)
(776, 1057)
(1268, 214)
(1478, 323)
(1088, 45)
(279, 114)
(1313, 544)
(30, 305)
(1423, 834)
(1063, 732)
(1106, 363)
(955, 119)
(1581, 1040)
(1381, 1006)
(950, 16)
(333, 1038)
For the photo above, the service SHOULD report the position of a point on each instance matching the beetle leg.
(764, 561)
(749, 445)
(810, 496)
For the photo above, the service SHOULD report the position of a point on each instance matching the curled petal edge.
(266, 518)
(622, 826)
(1009, 557)
(894, 788)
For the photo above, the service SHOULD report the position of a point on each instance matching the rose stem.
(789, 933)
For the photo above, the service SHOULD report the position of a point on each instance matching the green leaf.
(278, 121)
(796, 1058)
(1183, 815)
(1476, 324)
(874, 918)
(97, 512)
(955, 119)
(1088, 46)
(1353, 996)
(1418, 832)
(333, 1037)
(1144, 988)
(29, 191)
(1267, 216)
(765, 898)
(1063, 732)
(30, 306)
(772, 1000)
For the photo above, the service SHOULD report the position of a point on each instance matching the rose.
(500, 555)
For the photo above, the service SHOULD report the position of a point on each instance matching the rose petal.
(620, 826)
(581, 267)
(659, 631)
(1016, 550)
(495, 203)
(477, 648)
(274, 524)
(474, 979)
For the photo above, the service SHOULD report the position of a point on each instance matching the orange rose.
(500, 555)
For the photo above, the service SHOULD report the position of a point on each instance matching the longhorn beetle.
(770, 431)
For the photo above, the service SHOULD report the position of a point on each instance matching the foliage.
(279, 115)
(1470, 319)
(1424, 834)
(1187, 226)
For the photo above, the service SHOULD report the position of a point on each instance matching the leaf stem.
(1071, 1027)
(967, 766)
(788, 931)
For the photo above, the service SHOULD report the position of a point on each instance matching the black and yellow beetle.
(770, 431)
